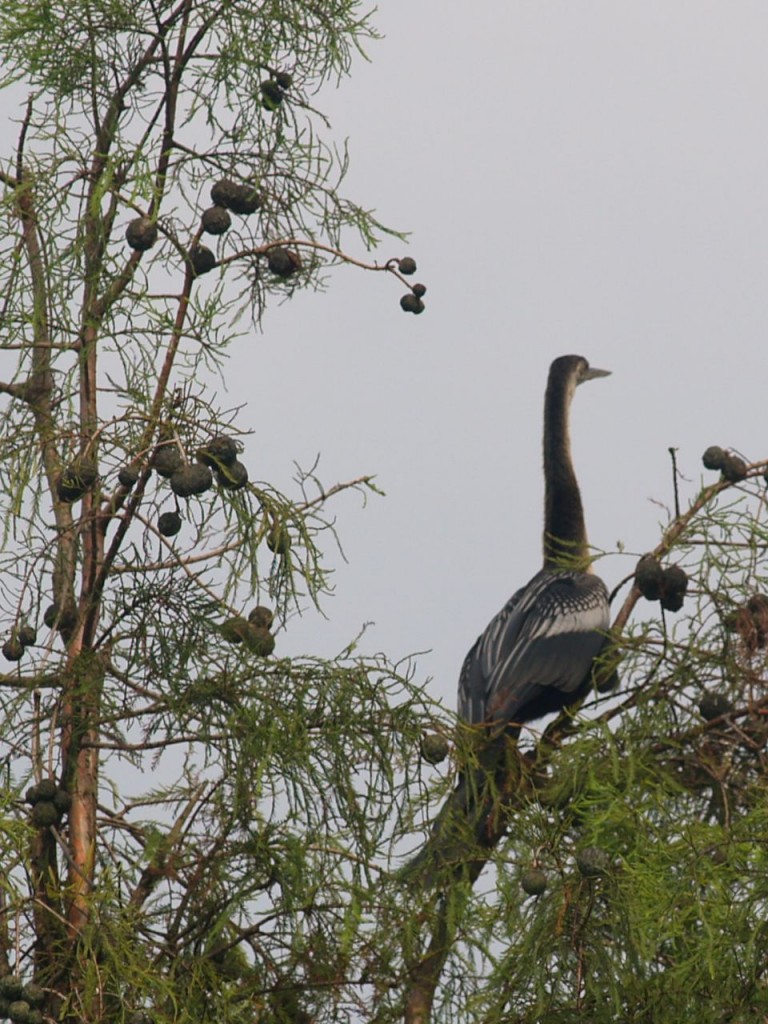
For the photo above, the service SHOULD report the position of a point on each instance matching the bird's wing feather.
(544, 639)
(473, 676)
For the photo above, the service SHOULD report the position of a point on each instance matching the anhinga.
(536, 655)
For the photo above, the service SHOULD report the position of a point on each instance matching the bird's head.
(570, 371)
(575, 369)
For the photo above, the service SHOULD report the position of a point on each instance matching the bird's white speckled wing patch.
(544, 639)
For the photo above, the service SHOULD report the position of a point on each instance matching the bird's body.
(536, 655)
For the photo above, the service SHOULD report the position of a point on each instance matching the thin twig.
(673, 456)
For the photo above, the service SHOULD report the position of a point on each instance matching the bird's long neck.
(565, 535)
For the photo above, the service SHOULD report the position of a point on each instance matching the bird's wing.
(536, 653)
(473, 681)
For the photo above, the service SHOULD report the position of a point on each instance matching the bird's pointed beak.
(593, 372)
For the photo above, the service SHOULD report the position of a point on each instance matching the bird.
(537, 654)
(534, 656)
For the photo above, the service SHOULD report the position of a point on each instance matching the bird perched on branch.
(536, 655)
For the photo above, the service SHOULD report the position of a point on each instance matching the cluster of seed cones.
(590, 861)
(20, 1002)
(254, 632)
(732, 467)
(228, 197)
(665, 585)
(217, 460)
(412, 301)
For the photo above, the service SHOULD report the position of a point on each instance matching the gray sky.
(578, 177)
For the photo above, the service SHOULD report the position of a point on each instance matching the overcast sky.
(581, 177)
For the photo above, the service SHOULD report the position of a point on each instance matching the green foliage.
(249, 882)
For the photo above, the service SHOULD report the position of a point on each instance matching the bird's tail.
(470, 822)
